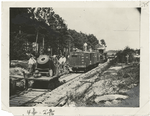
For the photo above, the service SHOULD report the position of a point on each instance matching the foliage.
(17, 50)
(28, 25)
(79, 38)
(103, 42)
(131, 76)
(121, 55)
(36, 24)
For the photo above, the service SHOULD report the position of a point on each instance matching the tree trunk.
(36, 41)
(43, 42)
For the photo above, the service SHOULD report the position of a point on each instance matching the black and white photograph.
(82, 56)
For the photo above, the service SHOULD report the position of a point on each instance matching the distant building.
(111, 54)
(100, 48)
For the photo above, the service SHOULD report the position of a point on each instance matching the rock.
(116, 82)
(131, 86)
(110, 97)
(72, 104)
(116, 101)
(114, 73)
(82, 89)
(99, 91)
(88, 95)
(62, 103)
(108, 103)
(123, 91)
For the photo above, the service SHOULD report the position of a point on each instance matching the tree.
(121, 55)
(80, 38)
(18, 24)
(103, 42)
(28, 25)
(55, 23)
(36, 24)
(18, 51)
(92, 40)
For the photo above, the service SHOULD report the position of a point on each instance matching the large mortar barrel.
(43, 62)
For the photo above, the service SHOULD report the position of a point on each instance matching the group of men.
(56, 66)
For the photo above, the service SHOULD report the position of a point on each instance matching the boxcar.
(83, 60)
(93, 59)
(79, 60)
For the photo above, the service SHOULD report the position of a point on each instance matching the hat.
(37, 71)
(54, 56)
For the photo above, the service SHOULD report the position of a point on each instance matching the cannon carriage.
(44, 75)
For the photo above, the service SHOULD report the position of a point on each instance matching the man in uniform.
(31, 64)
(56, 64)
(62, 62)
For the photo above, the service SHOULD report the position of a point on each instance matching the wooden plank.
(15, 104)
(34, 92)
(22, 98)
(45, 78)
(17, 76)
(39, 90)
(37, 94)
(18, 103)
(40, 79)
(31, 95)
(22, 93)
(27, 96)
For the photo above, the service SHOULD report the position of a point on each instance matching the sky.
(119, 27)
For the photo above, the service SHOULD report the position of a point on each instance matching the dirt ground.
(116, 87)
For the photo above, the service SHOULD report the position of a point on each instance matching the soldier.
(56, 65)
(31, 64)
(62, 62)
(51, 67)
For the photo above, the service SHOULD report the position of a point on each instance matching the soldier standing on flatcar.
(56, 64)
(51, 66)
(31, 64)
(62, 62)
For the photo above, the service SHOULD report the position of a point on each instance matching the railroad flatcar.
(84, 60)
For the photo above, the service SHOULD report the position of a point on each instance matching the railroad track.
(31, 95)
(26, 96)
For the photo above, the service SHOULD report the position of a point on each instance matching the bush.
(17, 47)
(19, 64)
(132, 75)
(121, 55)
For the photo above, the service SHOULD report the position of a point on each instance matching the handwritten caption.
(45, 112)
